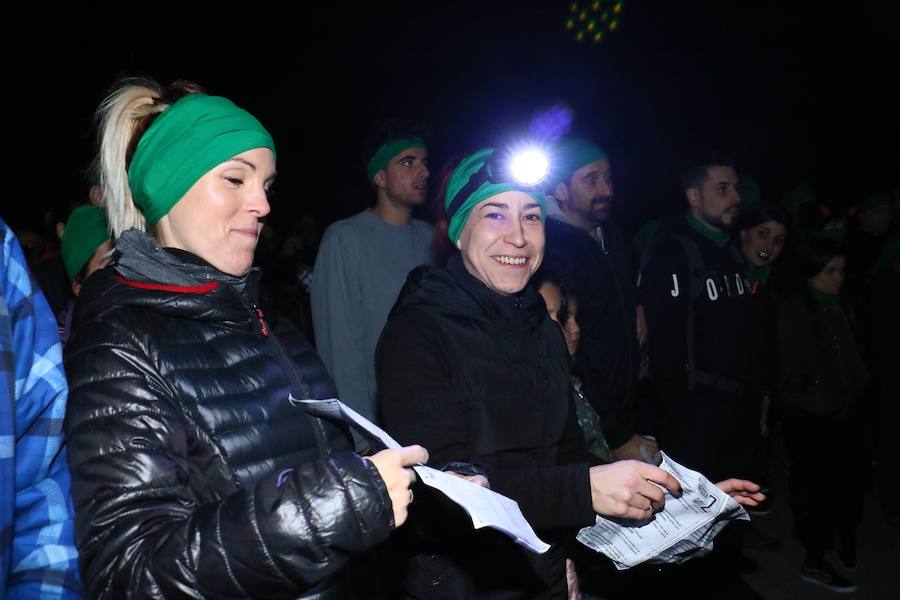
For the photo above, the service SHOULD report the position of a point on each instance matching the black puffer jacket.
(193, 475)
(482, 378)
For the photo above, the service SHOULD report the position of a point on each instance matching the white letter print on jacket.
(713, 291)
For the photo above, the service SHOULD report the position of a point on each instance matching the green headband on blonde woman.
(185, 141)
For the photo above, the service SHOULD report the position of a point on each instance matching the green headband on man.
(389, 150)
(86, 230)
(464, 171)
(186, 140)
(571, 154)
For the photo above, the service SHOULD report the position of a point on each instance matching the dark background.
(794, 91)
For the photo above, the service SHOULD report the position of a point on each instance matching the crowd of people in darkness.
(156, 334)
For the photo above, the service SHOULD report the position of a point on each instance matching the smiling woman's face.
(220, 216)
(502, 243)
(763, 243)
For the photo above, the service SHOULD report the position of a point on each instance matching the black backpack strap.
(695, 283)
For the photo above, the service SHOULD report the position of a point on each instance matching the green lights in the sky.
(594, 21)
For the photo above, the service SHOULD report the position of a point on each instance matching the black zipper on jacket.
(288, 365)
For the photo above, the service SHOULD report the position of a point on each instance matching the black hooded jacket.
(482, 378)
(193, 475)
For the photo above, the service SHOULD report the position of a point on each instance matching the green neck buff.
(757, 275)
(389, 150)
(719, 238)
(185, 141)
(830, 300)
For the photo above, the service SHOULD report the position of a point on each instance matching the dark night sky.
(792, 91)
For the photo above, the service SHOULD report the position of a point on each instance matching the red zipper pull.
(262, 321)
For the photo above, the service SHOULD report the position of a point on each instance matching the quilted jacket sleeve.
(141, 531)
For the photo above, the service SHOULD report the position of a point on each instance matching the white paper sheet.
(683, 530)
(486, 508)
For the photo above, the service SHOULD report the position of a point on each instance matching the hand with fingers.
(743, 491)
(395, 468)
(627, 489)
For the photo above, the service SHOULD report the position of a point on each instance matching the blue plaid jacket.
(37, 552)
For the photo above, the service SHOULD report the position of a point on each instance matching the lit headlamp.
(525, 169)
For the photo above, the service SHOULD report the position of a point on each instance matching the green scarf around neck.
(719, 238)
(832, 301)
(757, 274)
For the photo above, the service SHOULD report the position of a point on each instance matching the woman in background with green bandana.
(470, 363)
(194, 475)
(821, 378)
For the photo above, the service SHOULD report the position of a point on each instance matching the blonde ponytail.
(122, 118)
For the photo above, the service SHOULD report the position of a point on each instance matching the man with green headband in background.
(364, 260)
(589, 254)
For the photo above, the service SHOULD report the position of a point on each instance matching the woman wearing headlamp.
(470, 364)
(193, 475)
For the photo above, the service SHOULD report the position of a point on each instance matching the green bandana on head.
(389, 150)
(464, 171)
(86, 230)
(185, 141)
(571, 154)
